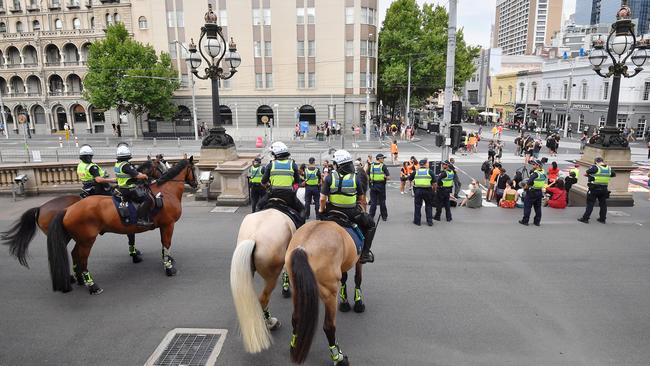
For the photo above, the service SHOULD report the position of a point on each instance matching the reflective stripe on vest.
(83, 171)
(576, 171)
(377, 173)
(123, 180)
(343, 192)
(540, 181)
(448, 181)
(282, 172)
(422, 178)
(311, 177)
(603, 175)
(255, 174)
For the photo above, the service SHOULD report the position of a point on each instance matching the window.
(223, 18)
(349, 48)
(605, 90)
(510, 95)
(17, 4)
(640, 128)
(364, 15)
(3, 27)
(349, 80)
(312, 80)
(601, 121)
(368, 16)
(621, 122)
(259, 81)
(301, 80)
(180, 19)
(311, 48)
(646, 90)
(36, 26)
(174, 19)
(19, 27)
(269, 80)
(173, 51)
(58, 24)
(301, 48)
(362, 80)
(371, 16)
(76, 23)
(267, 49)
(584, 91)
(565, 91)
(142, 23)
(500, 95)
(534, 92)
(117, 18)
(267, 16)
(109, 19)
(371, 48)
(92, 22)
(522, 89)
(300, 15)
(349, 15)
(311, 15)
(257, 17)
(257, 48)
(364, 48)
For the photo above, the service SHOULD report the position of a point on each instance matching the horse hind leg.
(169, 263)
(359, 306)
(272, 323)
(344, 305)
(286, 288)
(76, 270)
(84, 253)
(136, 255)
(329, 326)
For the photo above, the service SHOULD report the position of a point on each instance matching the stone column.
(89, 127)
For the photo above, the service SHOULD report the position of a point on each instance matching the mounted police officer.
(423, 180)
(281, 174)
(599, 176)
(93, 178)
(445, 187)
(127, 177)
(312, 187)
(378, 175)
(535, 191)
(255, 173)
(342, 191)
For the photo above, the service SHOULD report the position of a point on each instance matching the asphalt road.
(481, 290)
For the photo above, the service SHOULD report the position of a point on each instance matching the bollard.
(155, 142)
(76, 142)
(60, 141)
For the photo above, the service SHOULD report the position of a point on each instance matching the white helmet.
(86, 150)
(123, 151)
(342, 156)
(278, 148)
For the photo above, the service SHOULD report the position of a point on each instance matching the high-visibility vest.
(576, 171)
(343, 192)
(603, 175)
(123, 180)
(377, 172)
(255, 174)
(83, 171)
(448, 181)
(422, 178)
(281, 175)
(540, 181)
(311, 176)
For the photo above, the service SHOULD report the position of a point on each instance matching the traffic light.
(456, 112)
(456, 134)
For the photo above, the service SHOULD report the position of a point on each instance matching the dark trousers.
(443, 201)
(423, 195)
(594, 194)
(312, 194)
(287, 195)
(257, 191)
(378, 197)
(533, 199)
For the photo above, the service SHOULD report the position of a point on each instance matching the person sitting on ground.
(558, 194)
(509, 199)
(553, 172)
(474, 198)
(521, 193)
(569, 182)
(500, 186)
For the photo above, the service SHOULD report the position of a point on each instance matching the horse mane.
(173, 172)
(147, 165)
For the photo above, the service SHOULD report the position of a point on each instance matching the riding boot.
(366, 255)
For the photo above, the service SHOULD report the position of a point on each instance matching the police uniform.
(445, 187)
(281, 174)
(377, 174)
(423, 180)
(87, 172)
(255, 183)
(312, 189)
(126, 175)
(599, 176)
(536, 183)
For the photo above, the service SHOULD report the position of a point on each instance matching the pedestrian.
(457, 183)
(404, 174)
(500, 185)
(599, 176)
(471, 143)
(394, 152)
(312, 187)
(498, 149)
(378, 175)
(474, 198)
(583, 140)
(255, 174)
(494, 132)
(491, 151)
(534, 194)
(496, 170)
(499, 131)
(569, 132)
(362, 175)
(556, 194)
(445, 186)
(325, 169)
(423, 181)
(486, 168)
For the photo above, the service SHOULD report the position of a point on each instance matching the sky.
(474, 16)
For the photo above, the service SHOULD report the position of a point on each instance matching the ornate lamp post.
(214, 49)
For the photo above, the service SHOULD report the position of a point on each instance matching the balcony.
(70, 63)
(52, 63)
(54, 6)
(74, 4)
(13, 66)
(31, 8)
(56, 93)
(30, 64)
(16, 9)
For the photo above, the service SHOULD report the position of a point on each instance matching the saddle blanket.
(357, 237)
(132, 219)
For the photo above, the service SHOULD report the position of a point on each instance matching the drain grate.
(189, 347)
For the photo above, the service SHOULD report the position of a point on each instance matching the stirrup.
(366, 257)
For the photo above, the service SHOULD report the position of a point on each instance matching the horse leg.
(166, 233)
(272, 323)
(344, 305)
(359, 306)
(135, 254)
(286, 289)
(84, 253)
(76, 276)
(329, 326)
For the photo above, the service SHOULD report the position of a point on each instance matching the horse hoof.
(95, 290)
(273, 323)
(343, 362)
(359, 307)
(136, 258)
(286, 293)
(344, 307)
(79, 280)
(73, 279)
(171, 271)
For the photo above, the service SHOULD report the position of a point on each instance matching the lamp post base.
(609, 136)
(218, 139)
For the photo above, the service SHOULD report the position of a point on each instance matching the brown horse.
(21, 233)
(318, 255)
(86, 219)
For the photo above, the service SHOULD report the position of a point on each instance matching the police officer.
(599, 176)
(445, 187)
(423, 180)
(93, 178)
(535, 186)
(127, 176)
(312, 187)
(255, 173)
(378, 175)
(281, 174)
(342, 191)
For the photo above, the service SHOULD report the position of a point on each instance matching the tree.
(129, 76)
(419, 34)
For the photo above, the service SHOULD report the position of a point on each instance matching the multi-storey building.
(604, 11)
(523, 25)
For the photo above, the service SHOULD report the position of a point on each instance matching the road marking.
(422, 147)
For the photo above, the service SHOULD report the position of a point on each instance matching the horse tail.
(20, 234)
(57, 255)
(305, 304)
(254, 332)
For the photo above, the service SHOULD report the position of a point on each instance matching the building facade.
(604, 11)
(503, 98)
(582, 15)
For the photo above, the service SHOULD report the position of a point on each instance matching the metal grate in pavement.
(189, 347)
(224, 209)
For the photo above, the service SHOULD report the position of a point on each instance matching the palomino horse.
(21, 233)
(261, 245)
(86, 219)
(318, 254)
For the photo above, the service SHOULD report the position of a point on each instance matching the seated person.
(474, 198)
(509, 199)
(557, 193)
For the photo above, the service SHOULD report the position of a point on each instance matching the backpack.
(486, 167)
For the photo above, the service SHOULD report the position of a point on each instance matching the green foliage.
(420, 34)
(129, 76)
(472, 112)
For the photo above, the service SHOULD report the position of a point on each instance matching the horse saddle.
(280, 205)
(128, 210)
(352, 228)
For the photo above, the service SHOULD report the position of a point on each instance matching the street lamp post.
(214, 51)
(196, 123)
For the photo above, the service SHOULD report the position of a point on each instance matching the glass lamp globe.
(597, 57)
(621, 44)
(195, 60)
(213, 47)
(639, 57)
(233, 59)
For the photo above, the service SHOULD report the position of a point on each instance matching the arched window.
(3, 27)
(58, 24)
(522, 89)
(500, 95)
(117, 18)
(585, 90)
(92, 23)
(76, 23)
(264, 115)
(36, 26)
(548, 91)
(142, 23)
(226, 115)
(534, 86)
(510, 94)
(19, 27)
(109, 19)
(307, 113)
